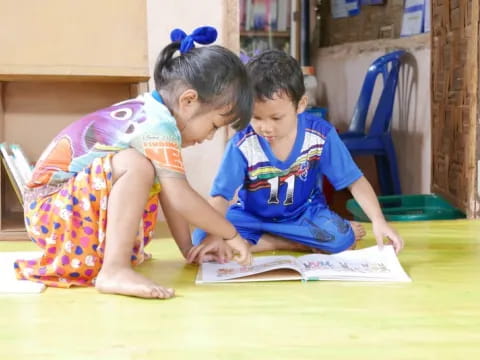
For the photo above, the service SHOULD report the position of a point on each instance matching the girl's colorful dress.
(66, 199)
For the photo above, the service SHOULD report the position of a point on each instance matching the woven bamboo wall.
(373, 22)
(455, 50)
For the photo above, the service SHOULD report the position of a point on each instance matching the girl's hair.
(216, 73)
(273, 72)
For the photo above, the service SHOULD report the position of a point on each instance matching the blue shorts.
(318, 227)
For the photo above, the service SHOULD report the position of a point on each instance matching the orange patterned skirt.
(70, 225)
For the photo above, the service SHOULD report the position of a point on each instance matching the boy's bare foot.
(358, 230)
(125, 281)
(270, 242)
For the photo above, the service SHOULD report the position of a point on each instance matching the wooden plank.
(231, 25)
(435, 317)
(55, 73)
(58, 37)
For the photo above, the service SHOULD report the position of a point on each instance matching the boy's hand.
(212, 248)
(381, 229)
(241, 249)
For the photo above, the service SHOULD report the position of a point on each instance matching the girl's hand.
(212, 248)
(381, 229)
(241, 250)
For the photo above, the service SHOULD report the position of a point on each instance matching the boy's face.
(276, 119)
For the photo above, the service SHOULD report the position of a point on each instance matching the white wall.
(340, 72)
(201, 161)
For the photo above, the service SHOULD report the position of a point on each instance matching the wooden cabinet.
(60, 60)
(66, 38)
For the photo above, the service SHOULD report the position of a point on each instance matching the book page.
(261, 266)
(369, 264)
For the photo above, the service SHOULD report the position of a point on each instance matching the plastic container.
(409, 208)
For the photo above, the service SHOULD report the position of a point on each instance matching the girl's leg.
(133, 177)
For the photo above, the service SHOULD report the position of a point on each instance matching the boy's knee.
(197, 236)
(334, 239)
(343, 241)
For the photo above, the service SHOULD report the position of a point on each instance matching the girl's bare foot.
(125, 281)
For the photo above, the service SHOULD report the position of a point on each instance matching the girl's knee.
(133, 162)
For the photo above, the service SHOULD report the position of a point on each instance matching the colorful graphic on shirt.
(262, 175)
(112, 129)
(165, 153)
(281, 189)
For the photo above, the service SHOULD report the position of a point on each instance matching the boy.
(278, 162)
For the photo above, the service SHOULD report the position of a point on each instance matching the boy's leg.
(252, 228)
(318, 229)
(289, 235)
(269, 242)
(133, 177)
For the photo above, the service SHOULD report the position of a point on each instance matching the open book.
(369, 264)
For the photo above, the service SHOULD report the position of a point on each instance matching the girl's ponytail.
(163, 61)
(216, 73)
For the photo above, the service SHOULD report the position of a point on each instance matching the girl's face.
(196, 122)
(276, 119)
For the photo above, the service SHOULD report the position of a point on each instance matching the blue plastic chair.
(378, 140)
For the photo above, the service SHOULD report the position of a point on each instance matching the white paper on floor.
(8, 281)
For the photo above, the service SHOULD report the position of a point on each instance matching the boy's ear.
(302, 104)
(187, 97)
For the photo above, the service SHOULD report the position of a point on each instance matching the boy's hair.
(216, 73)
(273, 72)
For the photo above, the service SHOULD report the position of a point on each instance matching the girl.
(92, 202)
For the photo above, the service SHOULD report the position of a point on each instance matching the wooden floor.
(437, 316)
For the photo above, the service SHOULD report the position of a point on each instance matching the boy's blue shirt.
(275, 189)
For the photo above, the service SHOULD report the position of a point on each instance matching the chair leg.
(387, 169)
(392, 161)
(384, 175)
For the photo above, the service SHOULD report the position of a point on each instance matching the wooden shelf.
(13, 227)
(59, 61)
(63, 38)
(60, 77)
(282, 34)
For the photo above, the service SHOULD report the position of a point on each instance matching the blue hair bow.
(203, 35)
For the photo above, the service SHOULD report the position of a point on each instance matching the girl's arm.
(194, 208)
(187, 203)
(219, 203)
(363, 192)
(177, 224)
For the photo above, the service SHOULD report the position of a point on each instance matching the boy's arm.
(363, 193)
